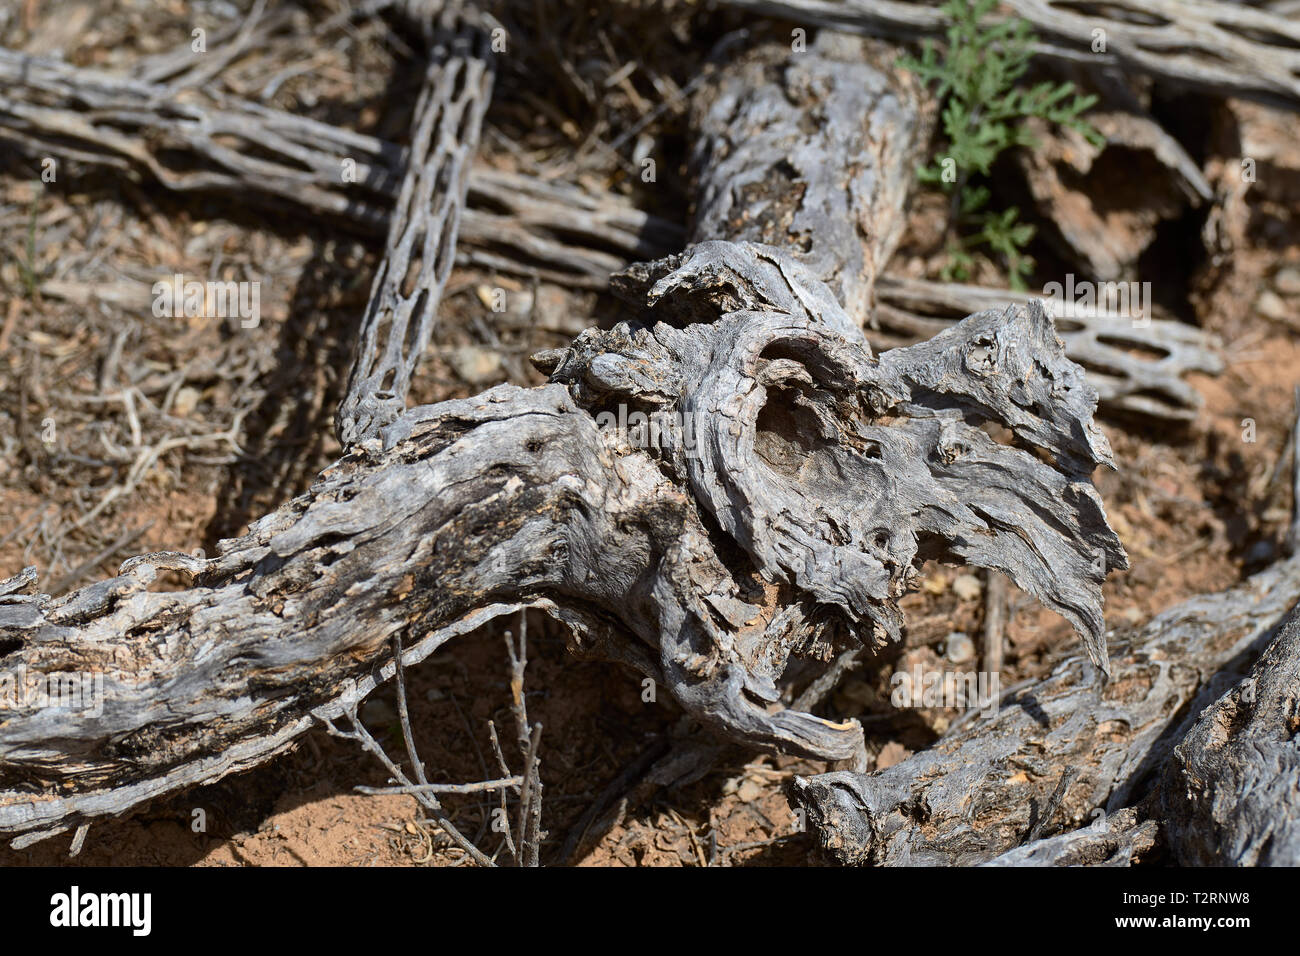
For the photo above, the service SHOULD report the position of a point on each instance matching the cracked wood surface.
(794, 485)
(1230, 795)
(980, 790)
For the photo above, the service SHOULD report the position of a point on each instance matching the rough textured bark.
(251, 153)
(773, 139)
(981, 790)
(793, 486)
(1230, 795)
(1119, 839)
(1212, 46)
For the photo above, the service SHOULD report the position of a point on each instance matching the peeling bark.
(982, 790)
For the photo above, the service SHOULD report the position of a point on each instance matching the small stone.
(1270, 306)
(187, 399)
(934, 584)
(749, 790)
(891, 754)
(967, 587)
(959, 648)
(477, 366)
(1287, 280)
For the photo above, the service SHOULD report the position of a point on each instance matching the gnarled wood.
(796, 483)
(1230, 795)
(980, 791)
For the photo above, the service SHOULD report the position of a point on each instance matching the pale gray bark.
(421, 245)
(251, 153)
(1137, 367)
(983, 789)
(1221, 48)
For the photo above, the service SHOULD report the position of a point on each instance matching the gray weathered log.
(1230, 795)
(981, 790)
(1137, 367)
(1220, 48)
(248, 152)
(421, 245)
(794, 486)
(765, 137)
(1117, 839)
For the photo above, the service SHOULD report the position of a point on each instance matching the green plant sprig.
(983, 112)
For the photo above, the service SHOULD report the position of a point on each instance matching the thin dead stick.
(361, 735)
(483, 786)
(1293, 532)
(995, 614)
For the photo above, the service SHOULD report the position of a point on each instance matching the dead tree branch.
(983, 789)
(1230, 795)
(791, 486)
(243, 150)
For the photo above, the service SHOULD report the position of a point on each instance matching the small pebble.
(959, 648)
(1270, 306)
(749, 791)
(967, 587)
(1287, 280)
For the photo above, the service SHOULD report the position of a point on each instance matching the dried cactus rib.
(1221, 48)
(422, 234)
(1137, 368)
(246, 150)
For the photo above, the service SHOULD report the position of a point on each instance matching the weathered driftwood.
(421, 245)
(983, 789)
(1230, 794)
(1221, 48)
(795, 484)
(1137, 367)
(250, 152)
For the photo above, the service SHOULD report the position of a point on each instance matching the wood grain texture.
(780, 508)
(981, 790)
(1230, 795)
